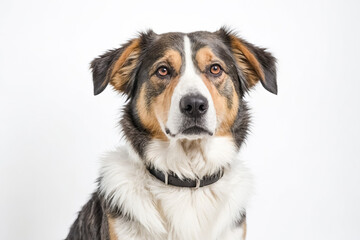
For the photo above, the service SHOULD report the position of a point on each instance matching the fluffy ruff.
(152, 210)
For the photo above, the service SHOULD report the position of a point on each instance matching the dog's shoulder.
(91, 222)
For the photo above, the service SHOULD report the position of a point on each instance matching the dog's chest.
(160, 212)
(194, 214)
(190, 213)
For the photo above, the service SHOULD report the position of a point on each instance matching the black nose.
(194, 105)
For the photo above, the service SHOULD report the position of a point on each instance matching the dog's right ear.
(254, 62)
(118, 66)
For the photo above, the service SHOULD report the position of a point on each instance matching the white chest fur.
(167, 212)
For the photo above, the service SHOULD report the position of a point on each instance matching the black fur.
(91, 222)
(103, 65)
(268, 64)
(101, 68)
(135, 133)
(240, 128)
(242, 219)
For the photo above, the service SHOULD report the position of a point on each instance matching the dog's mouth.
(196, 130)
(190, 131)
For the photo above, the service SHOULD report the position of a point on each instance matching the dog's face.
(185, 85)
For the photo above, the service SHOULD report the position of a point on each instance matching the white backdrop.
(303, 150)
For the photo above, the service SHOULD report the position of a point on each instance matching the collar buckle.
(166, 178)
(198, 181)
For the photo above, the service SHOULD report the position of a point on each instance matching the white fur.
(189, 82)
(191, 158)
(166, 212)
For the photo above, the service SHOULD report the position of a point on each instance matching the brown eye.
(215, 69)
(162, 71)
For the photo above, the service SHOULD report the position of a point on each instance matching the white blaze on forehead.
(189, 83)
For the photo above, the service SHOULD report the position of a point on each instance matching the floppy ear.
(118, 66)
(255, 63)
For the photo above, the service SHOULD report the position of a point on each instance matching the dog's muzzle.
(193, 108)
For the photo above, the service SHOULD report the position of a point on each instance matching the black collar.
(174, 180)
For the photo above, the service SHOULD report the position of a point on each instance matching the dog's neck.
(191, 158)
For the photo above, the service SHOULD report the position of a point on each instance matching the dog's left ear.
(255, 63)
(118, 66)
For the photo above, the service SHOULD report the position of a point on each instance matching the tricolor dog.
(178, 176)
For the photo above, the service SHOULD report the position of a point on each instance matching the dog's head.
(186, 86)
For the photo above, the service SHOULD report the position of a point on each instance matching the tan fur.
(112, 233)
(163, 101)
(122, 68)
(247, 62)
(230, 115)
(160, 105)
(225, 116)
(205, 57)
(244, 227)
(147, 116)
(172, 57)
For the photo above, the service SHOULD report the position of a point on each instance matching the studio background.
(304, 143)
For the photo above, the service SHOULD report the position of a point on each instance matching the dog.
(177, 176)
